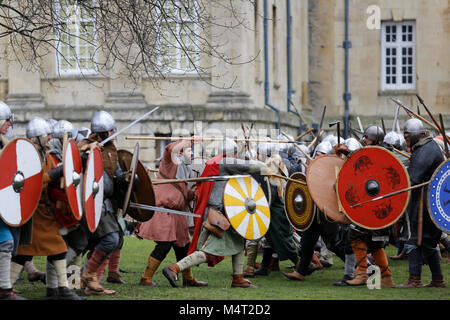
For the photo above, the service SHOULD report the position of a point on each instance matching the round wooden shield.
(93, 188)
(143, 192)
(369, 173)
(20, 181)
(321, 176)
(73, 177)
(298, 203)
(439, 197)
(246, 207)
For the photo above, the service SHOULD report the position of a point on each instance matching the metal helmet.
(288, 148)
(38, 127)
(298, 153)
(352, 144)
(62, 127)
(329, 138)
(324, 147)
(392, 138)
(414, 127)
(102, 121)
(264, 148)
(82, 133)
(374, 133)
(52, 122)
(402, 141)
(5, 112)
(227, 147)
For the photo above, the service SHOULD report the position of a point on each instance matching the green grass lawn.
(318, 286)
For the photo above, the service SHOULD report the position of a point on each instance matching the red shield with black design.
(20, 181)
(370, 173)
(93, 188)
(73, 177)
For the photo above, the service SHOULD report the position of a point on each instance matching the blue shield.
(439, 197)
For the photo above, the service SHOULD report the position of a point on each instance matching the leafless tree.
(133, 38)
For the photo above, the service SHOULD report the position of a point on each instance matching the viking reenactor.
(213, 237)
(279, 236)
(74, 235)
(170, 230)
(421, 247)
(7, 239)
(331, 232)
(46, 238)
(107, 240)
(365, 241)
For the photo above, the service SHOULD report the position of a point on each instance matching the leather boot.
(343, 281)
(171, 273)
(240, 282)
(359, 279)
(387, 282)
(263, 269)
(114, 277)
(294, 276)
(413, 282)
(249, 272)
(273, 265)
(150, 269)
(64, 293)
(89, 281)
(190, 281)
(8, 294)
(34, 274)
(436, 282)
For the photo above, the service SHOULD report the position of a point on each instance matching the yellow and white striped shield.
(246, 207)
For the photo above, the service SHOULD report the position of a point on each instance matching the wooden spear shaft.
(303, 120)
(306, 155)
(286, 178)
(303, 134)
(390, 194)
(402, 153)
(205, 139)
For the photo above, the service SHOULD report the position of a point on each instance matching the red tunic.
(167, 227)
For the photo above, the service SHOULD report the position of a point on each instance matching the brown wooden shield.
(321, 176)
(298, 203)
(133, 166)
(143, 192)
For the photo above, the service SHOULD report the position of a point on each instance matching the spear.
(390, 194)
(432, 117)
(398, 102)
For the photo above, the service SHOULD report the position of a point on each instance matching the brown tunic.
(46, 239)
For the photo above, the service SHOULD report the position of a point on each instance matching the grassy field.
(317, 286)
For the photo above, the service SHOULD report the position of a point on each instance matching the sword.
(360, 125)
(130, 125)
(395, 123)
(398, 102)
(160, 209)
(199, 179)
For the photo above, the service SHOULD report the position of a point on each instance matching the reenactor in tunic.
(46, 238)
(207, 246)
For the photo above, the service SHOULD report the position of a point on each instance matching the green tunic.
(280, 233)
(230, 244)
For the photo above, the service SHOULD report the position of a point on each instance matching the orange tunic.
(46, 239)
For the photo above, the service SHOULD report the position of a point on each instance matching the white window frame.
(178, 70)
(398, 46)
(75, 70)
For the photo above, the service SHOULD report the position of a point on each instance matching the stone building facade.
(218, 100)
(396, 49)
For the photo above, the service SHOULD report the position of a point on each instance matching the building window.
(75, 39)
(398, 56)
(179, 29)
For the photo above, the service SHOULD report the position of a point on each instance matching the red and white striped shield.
(93, 188)
(73, 177)
(20, 181)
